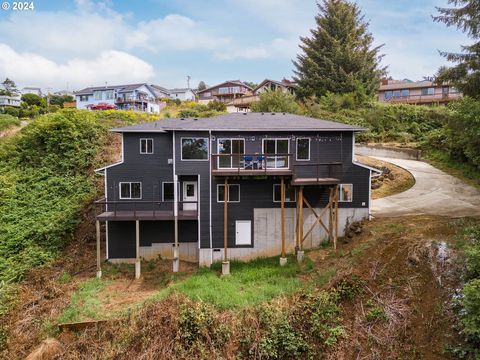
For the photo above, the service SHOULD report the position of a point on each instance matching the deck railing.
(156, 207)
(318, 171)
(251, 163)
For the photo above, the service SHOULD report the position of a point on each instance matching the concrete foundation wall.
(267, 239)
(188, 251)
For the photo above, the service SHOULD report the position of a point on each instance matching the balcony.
(137, 99)
(317, 173)
(424, 99)
(251, 164)
(129, 210)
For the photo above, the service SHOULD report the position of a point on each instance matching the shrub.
(471, 304)
(7, 121)
(276, 101)
(217, 106)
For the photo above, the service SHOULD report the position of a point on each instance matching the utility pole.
(188, 81)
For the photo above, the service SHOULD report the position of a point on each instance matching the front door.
(190, 195)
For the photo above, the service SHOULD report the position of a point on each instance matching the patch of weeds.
(84, 303)
(64, 278)
(358, 251)
(324, 277)
(348, 288)
(395, 228)
(375, 312)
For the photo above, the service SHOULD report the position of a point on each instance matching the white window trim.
(129, 182)
(146, 147)
(218, 151)
(288, 150)
(296, 148)
(279, 201)
(194, 137)
(163, 192)
(340, 191)
(229, 201)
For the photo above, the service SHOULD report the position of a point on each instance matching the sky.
(74, 44)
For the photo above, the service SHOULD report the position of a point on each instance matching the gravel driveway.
(434, 193)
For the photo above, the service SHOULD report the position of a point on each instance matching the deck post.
(337, 195)
(330, 216)
(283, 259)
(137, 249)
(99, 267)
(296, 220)
(300, 252)
(225, 263)
(176, 255)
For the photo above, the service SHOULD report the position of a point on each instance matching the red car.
(102, 106)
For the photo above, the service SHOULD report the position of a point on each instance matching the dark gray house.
(167, 194)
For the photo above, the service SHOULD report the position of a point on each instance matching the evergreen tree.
(339, 56)
(465, 76)
(201, 86)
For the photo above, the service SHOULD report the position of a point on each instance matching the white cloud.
(109, 66)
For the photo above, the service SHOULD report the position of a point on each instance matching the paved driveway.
(434, 193)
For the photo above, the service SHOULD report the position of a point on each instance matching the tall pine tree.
(465, 76)
(339, 56)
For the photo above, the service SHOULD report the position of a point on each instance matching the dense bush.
(276, 101)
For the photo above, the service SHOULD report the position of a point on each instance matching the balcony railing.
(122, 100)
(145, 210)
(251, 164)
(424, 98)
(317, 173)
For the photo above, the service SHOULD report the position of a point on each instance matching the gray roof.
(235, 82)
(122, 88)
(243, 122)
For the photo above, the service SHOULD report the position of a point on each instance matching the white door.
(190, 193)
(243, 232)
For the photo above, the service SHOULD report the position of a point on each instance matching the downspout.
(176, 259)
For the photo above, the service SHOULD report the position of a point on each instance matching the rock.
(48, 349)
(385, 170)
(358, 230)
(381, 177)
(376, 186)
(391, 176)
(350, 234)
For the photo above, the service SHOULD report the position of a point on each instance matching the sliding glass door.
(272, 147)
(231, 151)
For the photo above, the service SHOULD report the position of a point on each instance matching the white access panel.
(243, 232)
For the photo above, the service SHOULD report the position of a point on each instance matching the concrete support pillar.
(99, 266)
(283, 259)
(137, 250)
(225, 263)
(176, 258)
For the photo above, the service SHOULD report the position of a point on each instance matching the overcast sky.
(73, 44)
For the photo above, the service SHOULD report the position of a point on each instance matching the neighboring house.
(13, 101)
(136, 97)
(160, 92)
(243, 103)
(224, 92)
(273, 85)
(183, 94)
(418, 92)
(65, 93)
(32, 90)
(183, 167)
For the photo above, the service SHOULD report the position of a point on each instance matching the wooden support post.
(226, 263)
(300, 229)
(137, 249)
(336, 219)
(330, 217)
(297, 241)
(283, 259)
(99, 267)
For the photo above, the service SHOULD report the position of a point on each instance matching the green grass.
(251, 283)
(84, 303)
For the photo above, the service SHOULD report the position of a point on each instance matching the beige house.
(418, 92)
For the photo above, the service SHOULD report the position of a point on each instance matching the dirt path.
(434, 193)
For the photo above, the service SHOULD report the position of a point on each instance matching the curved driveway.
(434, 193)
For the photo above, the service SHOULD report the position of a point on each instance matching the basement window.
(167, 191)
(130, 190)
(289, 193)
(146, 146)
(346, 193)
(233, 193)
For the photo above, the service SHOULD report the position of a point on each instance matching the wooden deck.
(314, 181)
(124, 215)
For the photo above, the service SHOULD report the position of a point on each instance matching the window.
(445, 90)
(346, 193)
(428, 91)
(289, 193)
(303, 149)
(229, 147)
(167, 191)
(146, 146)
(274, 147)
(396, 93)
(405, 93)
(194, 148)
(109, 95)
(207, 94)
(223, 90)
(83, 97)
(97, 95)
(387, 95)
(235, 89)
(130, 190)
(233, 193)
